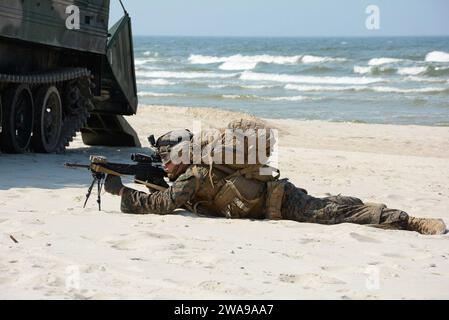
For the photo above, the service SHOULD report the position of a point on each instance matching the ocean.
(402, 80)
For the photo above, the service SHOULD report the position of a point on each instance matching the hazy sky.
(284, 17)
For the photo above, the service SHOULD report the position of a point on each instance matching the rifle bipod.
(98, 178)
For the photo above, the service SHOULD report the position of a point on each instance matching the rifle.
(147, 170)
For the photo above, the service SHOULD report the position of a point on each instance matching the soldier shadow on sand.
(48, 171)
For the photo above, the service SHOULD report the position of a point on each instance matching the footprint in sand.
(363, 238)
(126, 244)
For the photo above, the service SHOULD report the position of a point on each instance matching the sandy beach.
(62, 251)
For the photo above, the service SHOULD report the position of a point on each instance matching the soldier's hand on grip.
(113, 185)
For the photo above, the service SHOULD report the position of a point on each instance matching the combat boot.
(426, 226)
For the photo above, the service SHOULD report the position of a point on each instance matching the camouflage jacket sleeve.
(182, 190)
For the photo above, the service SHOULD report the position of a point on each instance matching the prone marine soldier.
(242, 192)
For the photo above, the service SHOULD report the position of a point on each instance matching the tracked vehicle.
(62, 71)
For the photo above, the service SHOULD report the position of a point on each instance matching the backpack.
(243, 191)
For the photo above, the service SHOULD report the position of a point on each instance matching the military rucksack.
(248, 188)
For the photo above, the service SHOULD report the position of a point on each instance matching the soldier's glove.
(113, 184)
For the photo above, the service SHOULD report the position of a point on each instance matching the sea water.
(398, 80)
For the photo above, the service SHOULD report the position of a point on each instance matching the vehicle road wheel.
(48, 120)
(17, 119)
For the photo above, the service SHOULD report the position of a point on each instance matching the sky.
(284, 18)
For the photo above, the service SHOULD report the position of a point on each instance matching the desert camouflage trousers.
(299, 206)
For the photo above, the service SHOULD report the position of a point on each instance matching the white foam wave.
(158, 95)
(249, 96)
(411, 90)
(315, 59)
(183, 74)
(383, 89)
(238, 65)
(254, 76)
(237, 96)
(250, 87)
(412, 71)
(424, 79)
(362, 70)
(381, 61)
(219, 86)
(141, 62)
(151, 54)
(241, 62)
(308, 88)
(437, 56)
(156, 82)
(294, 98)
(262, 86)
(200, 59)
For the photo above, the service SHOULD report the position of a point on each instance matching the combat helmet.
(167, 141)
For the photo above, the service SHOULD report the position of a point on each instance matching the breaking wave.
(184, 75)
(141, 62)
(412, 90)
(156, 82)
(382, 61)
(254, 76)
(254, 97)
(295, 98)
(430, 71)
(241, 62)
(241, 86)
(374, 70)
(412, 71)
(425, 79)
(308, 88)
(158, 94)
(437, 71)
(305, 88)
(315, 59)
(151, 54)
(239, 96)
(437, 56)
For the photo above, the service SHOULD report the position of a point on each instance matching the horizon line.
(294, 36)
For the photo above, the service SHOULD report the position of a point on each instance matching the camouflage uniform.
(297, 205)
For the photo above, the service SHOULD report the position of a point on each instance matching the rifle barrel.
(75, 165)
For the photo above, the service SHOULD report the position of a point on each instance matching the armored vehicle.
(62, 71)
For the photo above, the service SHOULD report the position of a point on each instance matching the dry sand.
(65, 251)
